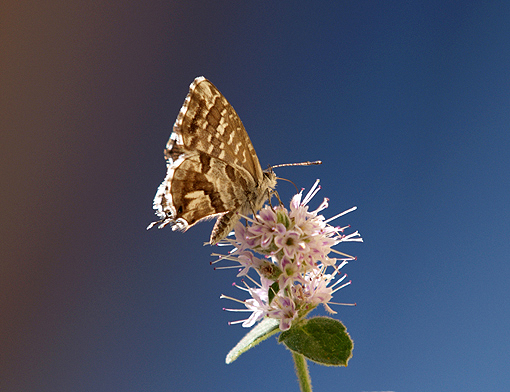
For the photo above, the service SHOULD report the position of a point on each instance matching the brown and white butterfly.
(212, 167)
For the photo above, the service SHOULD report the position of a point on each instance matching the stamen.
(349, 237)
(222, 257)
(337, 268)
(341, 287)
(342, 278)
(311, 193)
(343, 254)
(236, 322)
(222, 296)
(226, 267)
(241, 288)
(223, 242)
(341, 214)
(253, 280)
(323, 206)
(341, 303)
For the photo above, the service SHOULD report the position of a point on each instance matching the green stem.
(305, 383)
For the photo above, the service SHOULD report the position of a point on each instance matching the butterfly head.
(269, 177)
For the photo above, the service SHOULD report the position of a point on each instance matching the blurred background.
(406, 103)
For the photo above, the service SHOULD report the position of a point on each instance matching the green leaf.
(320, 339)
(263, 330)
(273, 290)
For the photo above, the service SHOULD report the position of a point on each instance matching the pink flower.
(293, 275)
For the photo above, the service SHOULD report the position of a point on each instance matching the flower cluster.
(296, 271)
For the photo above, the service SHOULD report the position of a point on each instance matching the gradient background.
(408, 105)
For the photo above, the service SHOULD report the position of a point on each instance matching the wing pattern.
(212, 167)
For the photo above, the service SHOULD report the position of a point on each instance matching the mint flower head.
(291, 252)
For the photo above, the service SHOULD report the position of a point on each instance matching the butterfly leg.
(253, 212)
(277, 196)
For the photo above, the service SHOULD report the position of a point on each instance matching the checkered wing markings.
(208, 123)
(201, 188)
(212, 166)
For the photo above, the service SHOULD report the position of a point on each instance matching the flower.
(296, 272)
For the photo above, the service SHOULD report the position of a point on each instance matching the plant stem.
(305, 383)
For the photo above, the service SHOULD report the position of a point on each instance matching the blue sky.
(406, 103)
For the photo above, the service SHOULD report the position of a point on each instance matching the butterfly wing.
(213, 169)
(209, 124)
(200, 187)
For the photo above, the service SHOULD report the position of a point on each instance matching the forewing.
(207, 123)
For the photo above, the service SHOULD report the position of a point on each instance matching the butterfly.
(212, 168)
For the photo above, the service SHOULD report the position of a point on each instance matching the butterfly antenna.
(307, 163)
